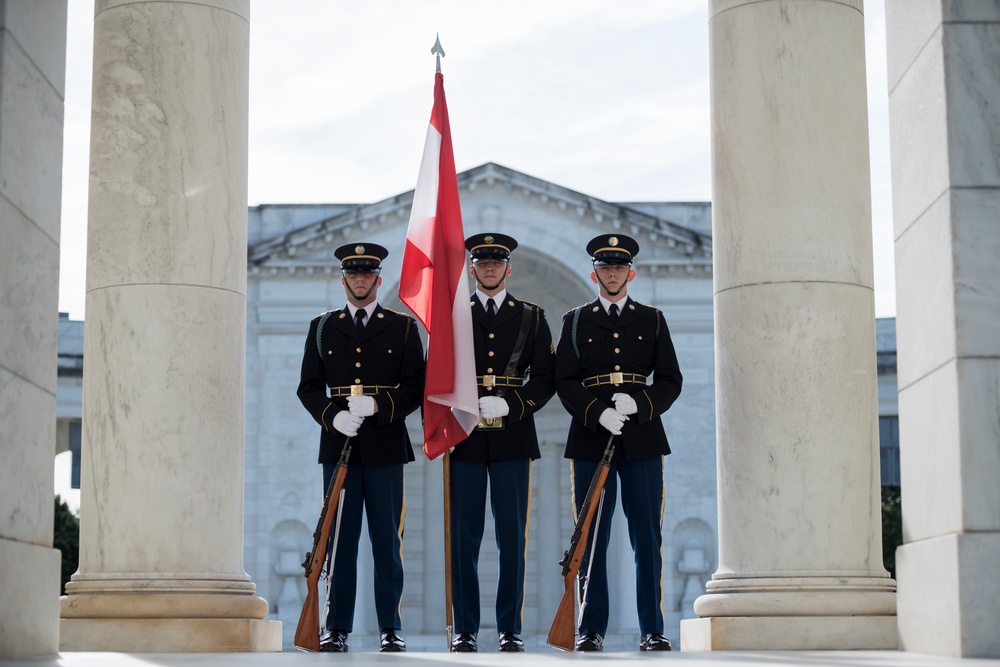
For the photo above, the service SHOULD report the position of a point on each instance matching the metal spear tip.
(436, 49)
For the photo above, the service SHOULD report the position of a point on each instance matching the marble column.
(32, 79)
(161, 543)
(944, 83)
(800, 564)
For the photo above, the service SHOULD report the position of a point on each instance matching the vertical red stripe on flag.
(434, 286)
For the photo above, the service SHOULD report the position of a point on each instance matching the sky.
(606, 98)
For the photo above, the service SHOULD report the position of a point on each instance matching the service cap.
(612, 249)
(490, 245)
(364, 256)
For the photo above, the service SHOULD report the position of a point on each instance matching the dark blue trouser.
(509, 499)
(642, 504)
(378, 489)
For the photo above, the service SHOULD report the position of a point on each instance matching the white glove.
(612, 420)
(347, 423)
(491, 407)
(625, 404)
(361, 406)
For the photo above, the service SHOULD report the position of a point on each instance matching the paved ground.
(540, 659)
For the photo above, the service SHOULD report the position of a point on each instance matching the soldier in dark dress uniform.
(616, 374)
(362, 374)
(514, 358)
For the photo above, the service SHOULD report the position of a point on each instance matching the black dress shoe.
(590, 642)
(333, 641)
(654, 642)
(390, 641)
(510, 642)
(465, 642)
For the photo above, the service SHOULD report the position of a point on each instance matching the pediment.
(550, 219)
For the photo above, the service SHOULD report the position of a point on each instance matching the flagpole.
(446, 468)
(437, 51)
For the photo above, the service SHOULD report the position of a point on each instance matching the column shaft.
(161, 542)
(796, 390)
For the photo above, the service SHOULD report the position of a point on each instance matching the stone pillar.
(944, 78)
(161, 543)
(32, 78)
(800, 564)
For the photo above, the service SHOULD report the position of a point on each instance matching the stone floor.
(548, 658)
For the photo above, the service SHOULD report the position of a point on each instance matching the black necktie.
(613, 312)
(359, 319)
(491, 308)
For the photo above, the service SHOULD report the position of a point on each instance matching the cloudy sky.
(607, 98)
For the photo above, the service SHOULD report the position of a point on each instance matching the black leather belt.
(358, 390)
(499, 381)
(615, 379)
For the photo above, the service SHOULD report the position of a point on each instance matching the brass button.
(489, 370)
(329, 352)
(615, 334)
(640, 337)
(357, 380)
(357, 364)
(617, 351)
(617, 367)
(491, 335)
(390, 351)
(490, 353)
(357, 349)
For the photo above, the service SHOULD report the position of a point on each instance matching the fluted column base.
(789, 633)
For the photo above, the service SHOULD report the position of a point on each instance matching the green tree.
(892, 526)
(66, 538)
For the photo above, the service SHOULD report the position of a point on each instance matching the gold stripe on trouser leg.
(402, 522)
(663, 502)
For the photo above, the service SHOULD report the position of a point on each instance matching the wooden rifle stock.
(563, 630)
(308, 629)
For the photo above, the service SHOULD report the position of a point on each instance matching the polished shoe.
(590, 642)
(465, 642)
(333, 641)
(390, 641)
(654, 642)
(510, 642)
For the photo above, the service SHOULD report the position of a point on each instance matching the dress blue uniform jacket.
(387, 353)
(640, 343)
(494, 344)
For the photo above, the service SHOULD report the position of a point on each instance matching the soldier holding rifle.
(362, 374)
(616, 374)
(514, 358)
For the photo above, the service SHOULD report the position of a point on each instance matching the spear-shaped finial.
(437, 50)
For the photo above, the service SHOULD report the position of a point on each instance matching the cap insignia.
(613, 241)
(360, 249)
(488, 239)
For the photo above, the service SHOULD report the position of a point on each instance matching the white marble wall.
(944, 82)
(799, 524)
(162, 476)
(32, 78)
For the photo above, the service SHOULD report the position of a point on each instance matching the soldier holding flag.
(514, 358)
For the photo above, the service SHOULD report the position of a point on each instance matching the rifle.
(563, 630)
(308, 629)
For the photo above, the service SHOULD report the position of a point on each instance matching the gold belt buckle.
(357, 390)
(617, 379)
(492, 424)
(489, 381)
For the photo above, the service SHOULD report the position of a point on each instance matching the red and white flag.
(434, 285)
